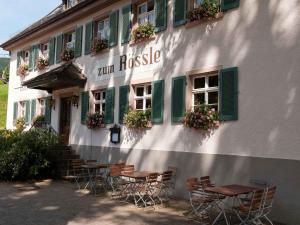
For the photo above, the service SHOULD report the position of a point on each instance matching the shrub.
(27, 155)
(20, 124)
(143, 31)
(203, 118)
(95, 120)
(137, 118)
(39, 121)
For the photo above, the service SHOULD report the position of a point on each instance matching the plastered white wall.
(261, 38)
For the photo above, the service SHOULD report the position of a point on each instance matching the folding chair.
(200, 201)
(174, 175)
(77, 173)
(268, 203)
(165, 185)
(250, 212)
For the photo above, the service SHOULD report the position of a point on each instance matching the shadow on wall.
(264, 43)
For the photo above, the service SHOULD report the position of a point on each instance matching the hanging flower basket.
(202, 118)
(95, 120)
(138, 119)
(67, 55)
(142, 32)
(22, 70)
(42, 63)
(99, 45)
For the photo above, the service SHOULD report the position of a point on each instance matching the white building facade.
(244, 63)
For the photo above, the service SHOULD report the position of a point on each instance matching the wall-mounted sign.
(147, 59)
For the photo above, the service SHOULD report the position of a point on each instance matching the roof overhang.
(64, 76)
(75, 13)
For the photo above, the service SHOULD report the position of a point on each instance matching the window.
(45, 49)
(42, 106)
(22, 109)
(70, 3)
(193, 4)
(70, 40)
(146, 13)
(206, 90)
(26, 57)
(99, 101)
(143, 96)
(103, 29)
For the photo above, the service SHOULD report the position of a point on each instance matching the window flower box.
(209, 10)
(41, 63)
(67, 55)
(143, 32)
(138, 119)
(22, 70)
(99, 45)
(95, 120)
(202, 118)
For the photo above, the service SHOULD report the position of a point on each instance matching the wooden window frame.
(145, 96)
(66, 42)
(96, 28)
(145, 2)
(206, 88)
(21, 110)
(42, 107)
(101, 101)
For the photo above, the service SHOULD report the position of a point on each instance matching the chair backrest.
(192, 184)
(269, 196)
(152, 178)
(167, 176)
(128, 168)
(173, 169)
(114, 171)
(77, 163)
(205, 182)
(91, 161)
(257, 200)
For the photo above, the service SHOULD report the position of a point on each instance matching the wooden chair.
(268, 203)
(166, 185)
(174, 175)
(77, 173)
(250, 212)
(128, 169)
(205, 182)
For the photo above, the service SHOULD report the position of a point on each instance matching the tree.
(5, 73)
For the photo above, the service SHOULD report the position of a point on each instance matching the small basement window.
(206, 90)
(99, 101)
(146, 13)
(142, 96)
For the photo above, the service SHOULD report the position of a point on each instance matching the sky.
(16, 15)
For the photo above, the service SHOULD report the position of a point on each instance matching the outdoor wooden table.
(231, 191)
(136, 174)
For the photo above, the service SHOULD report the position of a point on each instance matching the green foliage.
(67, 55)
(203, 117)
(99, 45)
(137, 118)
(143, 31)
(27, 155)
(208, 8)
(95, 120)
(20, 124)
(3, 104)
(5, 73)
(39, 121)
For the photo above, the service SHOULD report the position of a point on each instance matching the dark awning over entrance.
(64, 76)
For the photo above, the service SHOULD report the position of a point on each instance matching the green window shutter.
(229, 94)
(178, 98)
(52, 51)
(15, 111)
(229, 4)
(27, 112)
(35, 55)
(85, 104)
(126, 25)
(19, 56)
(31, 53)
(123, 102)
(48, 110)
(33, 109)
(78, 42)
(109, 105)
(59, 47)
(161, 12)
(113, 28)
(158, 101)
(88, 38)
(179, 12)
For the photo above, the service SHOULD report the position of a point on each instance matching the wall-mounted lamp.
(115, 134)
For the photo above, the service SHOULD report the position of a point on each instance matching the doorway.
(65, 119)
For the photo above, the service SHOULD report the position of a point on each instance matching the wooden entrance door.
(65, 119)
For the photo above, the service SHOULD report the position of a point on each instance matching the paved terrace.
(58, 203)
